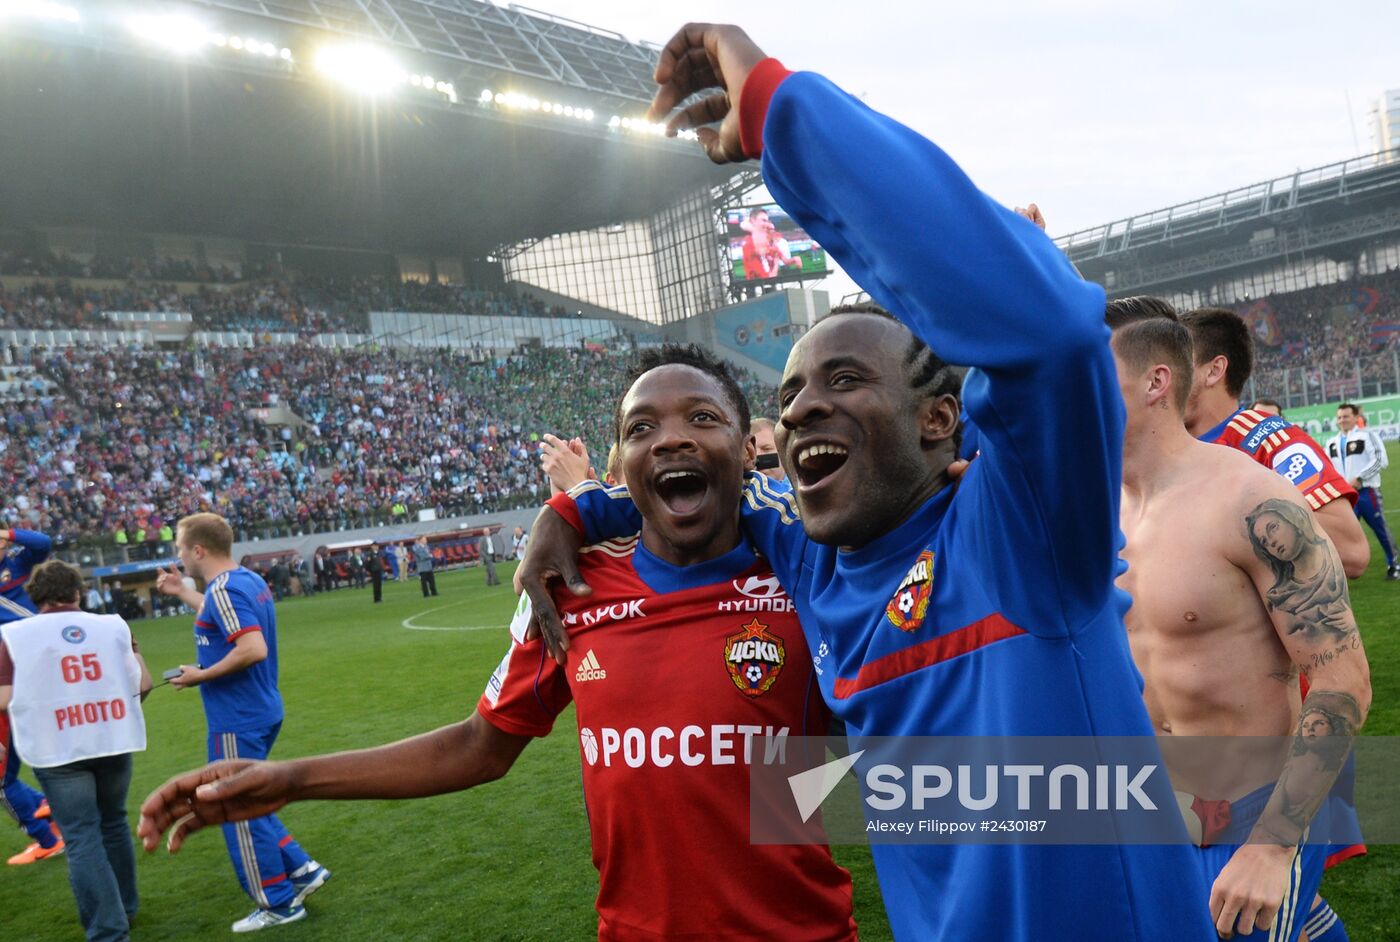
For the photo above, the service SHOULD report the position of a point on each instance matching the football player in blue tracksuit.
(985, 610)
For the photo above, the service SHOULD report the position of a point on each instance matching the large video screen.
(765, 244)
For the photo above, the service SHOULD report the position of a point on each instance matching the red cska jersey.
(681, 681)
(1282, 446)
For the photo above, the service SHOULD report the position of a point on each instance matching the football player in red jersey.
(682, 719)
(1224, 355)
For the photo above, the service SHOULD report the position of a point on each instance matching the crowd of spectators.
(391, 294)
(1334, 340)
(124, 267)
(269, 306)
(133, 438)
(289, 304)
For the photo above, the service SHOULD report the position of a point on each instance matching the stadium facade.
(1337, 224)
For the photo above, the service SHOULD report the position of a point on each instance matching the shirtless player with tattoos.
(1231, 600)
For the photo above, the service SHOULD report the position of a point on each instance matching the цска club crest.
(753, 658)
(907, 609)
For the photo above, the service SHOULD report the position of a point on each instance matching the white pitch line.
(409, 621)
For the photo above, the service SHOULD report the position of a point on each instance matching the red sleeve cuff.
(564, 505)
(510, 725)
(758, 91)
(242, 631)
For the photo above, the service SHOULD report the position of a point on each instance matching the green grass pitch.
(510, 860)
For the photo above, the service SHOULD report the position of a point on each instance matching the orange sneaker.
(43, 811)
(35, 853)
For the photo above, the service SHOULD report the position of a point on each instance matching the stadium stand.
(292, 302)
(101, 439)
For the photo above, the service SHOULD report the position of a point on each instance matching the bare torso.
(1211, 660)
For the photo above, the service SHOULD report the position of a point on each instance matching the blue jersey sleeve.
(231, 611)
(605, 513)
(984, 288)
(767, 510)
(34, 548)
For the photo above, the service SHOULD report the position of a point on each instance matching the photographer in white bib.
(73, 683)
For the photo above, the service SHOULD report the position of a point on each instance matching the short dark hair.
(1120, 312)
(928, 374)
(754, 211)
(696, 357)
(54, 583)
(1144, 343)
(1268, 402)
(1217, 332)
(1355, 409)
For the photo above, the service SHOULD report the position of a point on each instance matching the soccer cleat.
(34, 853)
(1392, 573)
(267, 918)
(43, 810)
(313, 877)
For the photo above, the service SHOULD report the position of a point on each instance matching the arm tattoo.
(1309, 585)
(1325, 731)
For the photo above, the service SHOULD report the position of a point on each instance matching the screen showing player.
(765, 244)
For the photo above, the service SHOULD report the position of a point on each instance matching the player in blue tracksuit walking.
(989, 610)
(235, 632)
(20, 552)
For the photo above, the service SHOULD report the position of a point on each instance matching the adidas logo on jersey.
(590, 669)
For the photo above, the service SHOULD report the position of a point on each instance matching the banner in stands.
(1381, 413)
(759, 329)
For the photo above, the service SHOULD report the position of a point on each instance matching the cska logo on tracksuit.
(753, 658)
(910, 603)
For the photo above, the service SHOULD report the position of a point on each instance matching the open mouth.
(815, 463)
(682, 491)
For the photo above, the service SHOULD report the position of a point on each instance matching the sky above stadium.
(1096, 109)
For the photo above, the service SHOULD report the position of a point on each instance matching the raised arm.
(171, 582)
(981, 285)
(449, 759)
(1300, 580)
(35, 546)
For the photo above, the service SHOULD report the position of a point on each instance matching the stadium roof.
(491, 38)
(103, 132)
(1330, 210)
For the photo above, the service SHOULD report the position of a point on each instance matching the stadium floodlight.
(39, 10)
(173, 31)
(361, 67)
(485, 96)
